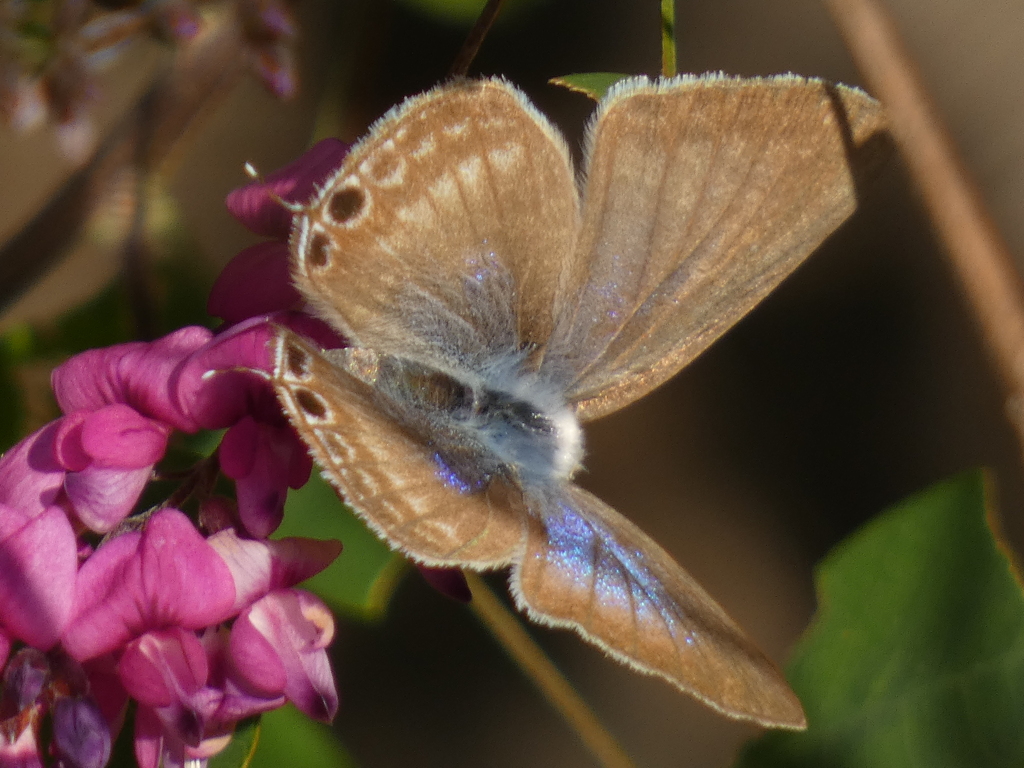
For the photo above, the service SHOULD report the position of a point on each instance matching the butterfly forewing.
(385, 473)
(588, 568)
(702, 194)
(443, 236)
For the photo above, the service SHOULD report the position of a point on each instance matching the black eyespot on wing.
(296, 361)
(310, 404)
(345, 204)
(319, 250)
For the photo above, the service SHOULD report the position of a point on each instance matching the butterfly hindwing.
(702, 194)
(385, 473)
(588, 568)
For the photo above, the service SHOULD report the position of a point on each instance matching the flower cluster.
(197, 623)
(51, 53)
(195, 617)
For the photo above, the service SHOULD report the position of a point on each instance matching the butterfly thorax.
(497, 424)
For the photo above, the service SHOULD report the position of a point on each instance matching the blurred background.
(861, 380)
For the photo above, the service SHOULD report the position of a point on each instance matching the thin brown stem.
(198, 482)
(475, 38)
(980, 256)
(509, 632)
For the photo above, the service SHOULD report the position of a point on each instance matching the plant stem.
(509, 632)
(979, 255)
(668, 38)
(475, 38)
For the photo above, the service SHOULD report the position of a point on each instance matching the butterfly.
(494, 302)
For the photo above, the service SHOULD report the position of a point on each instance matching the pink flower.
(145, 615)
(189, 380)
(143, 375)
(165, 575)
(31, 478)
(187, 705)
(38, 568)
(109, 455)
(38, 547)
(278, 647)
(260, 567)
(146, 599)
(38, 687)
(80, 735)
(264, 460)
(123, 401)
(256, 204)
(257, 280)
(144, 596)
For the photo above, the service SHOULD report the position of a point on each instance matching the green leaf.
(592, 84)
(360, 582)
(241, 749)
(287, 737)
(916, 655)
(122, 752)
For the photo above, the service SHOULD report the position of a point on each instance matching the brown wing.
(385, 474)
(588, 568)
(702, 194)
(446, 230)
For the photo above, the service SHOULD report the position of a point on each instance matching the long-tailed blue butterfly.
(494, 302)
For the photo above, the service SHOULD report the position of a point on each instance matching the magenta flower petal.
(178, 679)
(149, 739)
(450, 582)
(163, 667)
(256, 209)
(81, 737)
(102, 497)
(301, 466)
(257, 662)
(107, 690)
(138, 374)
(25, 679)
(262, 460)
(119, 436)
(259, 567)
(255, 282)
(67, 446)
(31, 479)
(5, 646)
(21, 751)
(38, 567)
(239, 447)
(217, 387)
(166, 575)
(313, 328)
(297, 626)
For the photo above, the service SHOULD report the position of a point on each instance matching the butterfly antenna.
(255, 175)
(475, 38)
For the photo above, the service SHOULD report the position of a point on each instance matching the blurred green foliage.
(288, 738)
(463, 12)
(916, 655)
(360, 582)
(179, 299)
